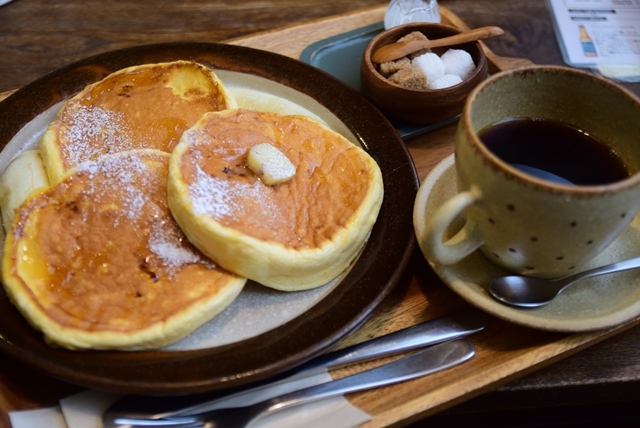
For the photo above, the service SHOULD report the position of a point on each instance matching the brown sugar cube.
(391, 67)
(415, 35)
(410, 78)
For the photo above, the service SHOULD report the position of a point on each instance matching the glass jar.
(405, 11)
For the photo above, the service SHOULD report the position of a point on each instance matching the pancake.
(96, 260)
(145, 106)
(292, 236)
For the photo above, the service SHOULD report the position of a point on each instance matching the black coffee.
(555, 148)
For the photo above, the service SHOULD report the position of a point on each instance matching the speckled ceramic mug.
(526, 224)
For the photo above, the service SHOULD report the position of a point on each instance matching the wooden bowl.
(419, 106)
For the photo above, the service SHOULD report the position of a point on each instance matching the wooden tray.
(504, 351)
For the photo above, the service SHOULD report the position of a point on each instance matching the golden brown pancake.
(97, 261)
(292, 236)
(145, 106)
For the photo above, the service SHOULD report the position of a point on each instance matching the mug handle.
(465, 242)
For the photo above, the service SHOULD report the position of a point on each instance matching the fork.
(420, 363)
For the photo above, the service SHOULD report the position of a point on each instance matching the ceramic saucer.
(593, 304)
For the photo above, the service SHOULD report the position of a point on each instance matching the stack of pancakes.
(151, 222)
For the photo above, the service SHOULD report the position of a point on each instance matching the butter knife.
(421, 363)
(424, 334)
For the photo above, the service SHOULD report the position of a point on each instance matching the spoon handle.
(615, 267)
(399, 49)
(468, 36)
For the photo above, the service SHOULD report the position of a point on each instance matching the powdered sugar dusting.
(210, 195)
(92, 131)
(129, 174)
(137, 183)
(219, 197)
(165, 241)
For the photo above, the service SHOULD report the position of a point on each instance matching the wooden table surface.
(37, 36)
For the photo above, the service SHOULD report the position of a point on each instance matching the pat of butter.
(270, 164)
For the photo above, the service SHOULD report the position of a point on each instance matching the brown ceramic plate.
(346, 307)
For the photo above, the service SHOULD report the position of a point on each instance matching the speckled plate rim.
(377, 271)
(597, 303)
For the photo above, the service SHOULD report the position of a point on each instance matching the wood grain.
(504, 351)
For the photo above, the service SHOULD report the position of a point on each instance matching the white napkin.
(84, 410)
(51, 417)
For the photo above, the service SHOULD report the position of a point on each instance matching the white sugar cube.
(430, 64)
(458, 62)
(445, 81)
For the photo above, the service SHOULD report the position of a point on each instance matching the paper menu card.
(596, 33)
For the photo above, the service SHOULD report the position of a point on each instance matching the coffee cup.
(519, 131)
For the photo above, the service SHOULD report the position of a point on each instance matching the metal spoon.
(399, 49)
(531, 292)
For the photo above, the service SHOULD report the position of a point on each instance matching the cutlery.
(400, 49)
(421, 363)
(532, 292)
(423, 334)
